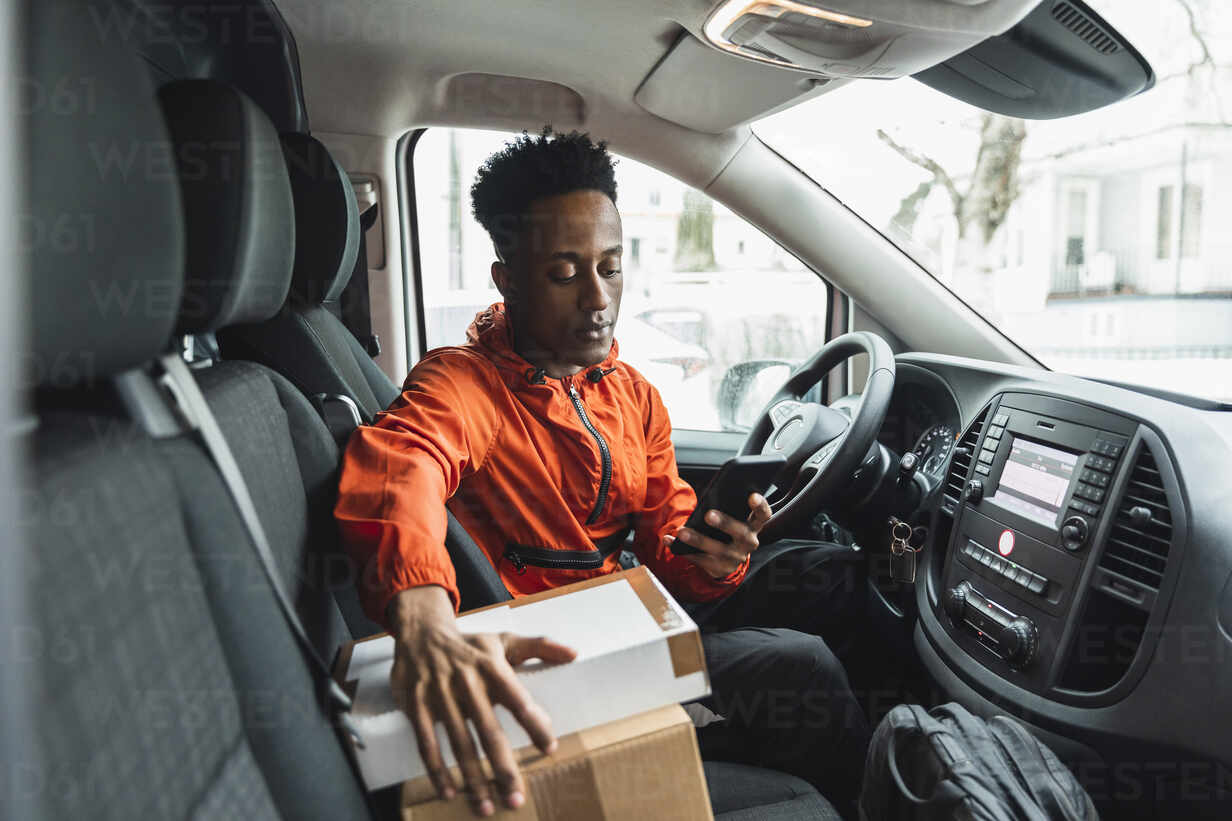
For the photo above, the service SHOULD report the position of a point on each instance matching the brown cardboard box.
(638, 651)
(642, 768)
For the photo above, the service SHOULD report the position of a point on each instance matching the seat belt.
(179, 382)
(355, 303)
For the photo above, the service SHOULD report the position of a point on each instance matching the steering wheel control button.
(1005, 543)
(1074, 533)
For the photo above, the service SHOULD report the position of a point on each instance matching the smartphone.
(729, 492)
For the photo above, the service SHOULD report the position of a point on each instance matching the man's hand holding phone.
(442, 676)
(717, 558)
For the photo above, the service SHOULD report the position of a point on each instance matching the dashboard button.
(986, 456)
(1021, 576)
(983, 470)
(998, 564)
(1001, 419)
(1037, 584)
(995, 432)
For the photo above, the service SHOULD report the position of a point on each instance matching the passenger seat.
(241, 242)
(168, 685)
(306, 341)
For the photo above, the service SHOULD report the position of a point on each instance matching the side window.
(714, 313)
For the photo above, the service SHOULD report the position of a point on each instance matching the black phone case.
(729, 492)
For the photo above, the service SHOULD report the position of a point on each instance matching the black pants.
(782, 692)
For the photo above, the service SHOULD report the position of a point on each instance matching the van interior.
(237, 226)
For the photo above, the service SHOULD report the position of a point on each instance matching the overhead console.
(858, 38)
(759, 56)
(1063, 524)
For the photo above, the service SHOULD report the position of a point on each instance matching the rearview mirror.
(745, 390)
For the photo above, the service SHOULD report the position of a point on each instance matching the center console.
(1036, 489)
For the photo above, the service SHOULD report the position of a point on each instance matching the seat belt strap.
(179, 382)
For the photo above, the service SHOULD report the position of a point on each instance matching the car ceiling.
(382, 66)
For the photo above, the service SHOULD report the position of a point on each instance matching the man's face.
(562, 283)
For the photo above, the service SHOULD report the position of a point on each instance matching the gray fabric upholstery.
(137, 718)
(237, 205)
(291, 738)
(739, 792)
(326, 221)
(311, 347)
(107, 245)
(290, 464)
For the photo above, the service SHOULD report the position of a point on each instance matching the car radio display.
(1035, 480)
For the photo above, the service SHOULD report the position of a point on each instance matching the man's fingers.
(495, 744)
(713, 548)
(425, 737)
(467, 754)
(507, 690)
(519, 649)
(761, 511)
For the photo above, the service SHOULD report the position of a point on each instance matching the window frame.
(839, 309)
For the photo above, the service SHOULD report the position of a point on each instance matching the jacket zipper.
(605, 479)
(520, 556)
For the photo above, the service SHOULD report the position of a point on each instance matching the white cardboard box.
(637, 650)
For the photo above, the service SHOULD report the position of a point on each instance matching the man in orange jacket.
(549, 450)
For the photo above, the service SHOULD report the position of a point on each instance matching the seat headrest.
(106, 258)
(326, 220)
(238, 212)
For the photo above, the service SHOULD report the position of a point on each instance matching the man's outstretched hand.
(720, 559)
(442, 676)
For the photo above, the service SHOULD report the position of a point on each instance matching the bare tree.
(695, 233)
(982, 203)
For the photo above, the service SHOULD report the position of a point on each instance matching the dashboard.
(1079, 573)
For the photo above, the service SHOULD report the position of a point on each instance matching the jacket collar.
(490, 332)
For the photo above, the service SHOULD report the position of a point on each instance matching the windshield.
(1100, 243)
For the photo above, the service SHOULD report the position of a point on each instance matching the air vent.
(1085, 28)
(964, 452)
(1141, 534)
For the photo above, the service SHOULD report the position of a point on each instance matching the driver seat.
(307, 343)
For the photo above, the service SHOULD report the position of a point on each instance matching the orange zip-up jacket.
(546, 475)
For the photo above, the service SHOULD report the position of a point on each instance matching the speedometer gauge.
(934, 448)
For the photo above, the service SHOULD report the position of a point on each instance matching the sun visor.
(1061, 59)
(703, 89)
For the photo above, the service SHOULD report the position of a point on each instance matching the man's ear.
(504, 280)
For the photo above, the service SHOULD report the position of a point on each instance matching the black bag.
(948, 764)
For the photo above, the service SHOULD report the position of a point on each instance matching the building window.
(740, 247)
(1075, 230)
(1191, 221)
(635, 252)
(1163, 223)
(655, 197)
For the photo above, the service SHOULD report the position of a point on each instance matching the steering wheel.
(822, 446)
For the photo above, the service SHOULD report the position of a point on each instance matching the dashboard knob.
(1021, 639)
(956, 600)
(974, 491)
(1074, 533)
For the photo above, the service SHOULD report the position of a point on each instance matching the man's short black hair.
(531, 168)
